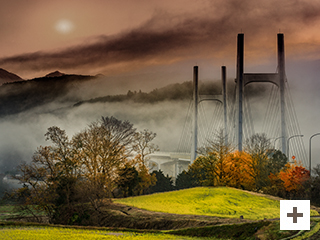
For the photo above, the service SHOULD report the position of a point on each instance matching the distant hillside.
(55, 74)
(177, 91)
(6, 76)
(19, 95)
(23, 95)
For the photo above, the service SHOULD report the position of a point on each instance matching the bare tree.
(258, 147)
(121, 132)
(142, 144)
(79, 170)
(101, 153)
(49, 179)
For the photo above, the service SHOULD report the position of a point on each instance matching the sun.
(64, 26)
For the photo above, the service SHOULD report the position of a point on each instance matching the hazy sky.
(160, 41)
(104, 36)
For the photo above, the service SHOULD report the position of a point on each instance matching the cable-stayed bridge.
(236, 117)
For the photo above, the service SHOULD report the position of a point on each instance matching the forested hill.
(177, 91)
(22, 95)
(19, 96)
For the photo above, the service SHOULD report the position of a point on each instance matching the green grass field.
(212, 201)
(53, 233)
(6, 211)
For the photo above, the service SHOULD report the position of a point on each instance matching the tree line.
(72, 177)
(259, 167)
(171, 92)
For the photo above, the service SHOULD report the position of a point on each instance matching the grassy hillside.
(220, 202)
(52, 232)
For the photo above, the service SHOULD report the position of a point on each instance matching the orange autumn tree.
(218, 165)
(294, 176)
(238, 172)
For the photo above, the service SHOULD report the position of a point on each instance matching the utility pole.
(310, 166)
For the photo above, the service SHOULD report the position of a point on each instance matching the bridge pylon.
(243, 79)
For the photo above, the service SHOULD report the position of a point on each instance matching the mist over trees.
(20, 96)
(75, 177)
(173, 92)
(66, 176)
(109, 158)
(28, 107)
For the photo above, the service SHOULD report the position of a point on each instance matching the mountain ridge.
(6, 76)
(22, 95)
(55, 74)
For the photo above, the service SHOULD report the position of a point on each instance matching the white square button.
(294, 214)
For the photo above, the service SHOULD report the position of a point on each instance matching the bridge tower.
(243, 79)
(197, 99)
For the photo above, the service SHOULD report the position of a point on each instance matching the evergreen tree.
(163, 184)
(128, 179)
(185, 180)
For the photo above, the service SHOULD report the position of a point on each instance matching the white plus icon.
(295, 215)
(293, 219)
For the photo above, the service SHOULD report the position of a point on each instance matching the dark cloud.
(166, 36)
